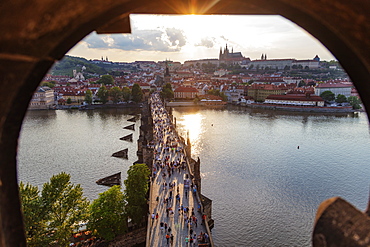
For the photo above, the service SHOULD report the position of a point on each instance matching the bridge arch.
(35, 35)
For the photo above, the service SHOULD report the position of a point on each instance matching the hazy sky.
(181, 38)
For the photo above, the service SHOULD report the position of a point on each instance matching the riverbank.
(318, 109)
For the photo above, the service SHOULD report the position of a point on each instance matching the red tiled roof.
(333, 85)
(186, 89)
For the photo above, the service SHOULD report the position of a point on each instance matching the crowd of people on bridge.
(169, 172)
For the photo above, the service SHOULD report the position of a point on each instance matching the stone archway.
(35, 34)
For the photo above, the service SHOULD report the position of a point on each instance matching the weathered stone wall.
(340, 224)
(133, 238)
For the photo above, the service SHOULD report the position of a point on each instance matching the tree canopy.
(355, 102)
(34, 215)
(341, 98)
(136, 191)
(65, 206)
(115, 94)
(137, 93)
(106, 79)
(218, 93)
(51, 214)
(327, 96)
(167, 92)
(88, 96)
(126, 94)
(107, 214)
(103, 94)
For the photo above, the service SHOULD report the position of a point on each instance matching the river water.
(265, 190)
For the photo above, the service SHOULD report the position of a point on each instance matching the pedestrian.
(153, 217)
(161, 226)
(156, 216)
(168, 239)
(186, 240)
(204, 219)
(165, 227)
(171, 239)
(169, 229)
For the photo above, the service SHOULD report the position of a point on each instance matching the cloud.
(176, 37)
(206, 42)
(170, 40)
(224, 38)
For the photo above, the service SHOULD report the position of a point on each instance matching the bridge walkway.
(171, 180)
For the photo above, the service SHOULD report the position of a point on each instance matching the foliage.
(116, 94)
(311, 83)
(136, 191)
(68, 63)
(105, 79)
(103, 94)
(88, 96)
(69, 101)
(137, 93)
(341, 98)
(65, 207)
(126, 94)
(50, 215)
(167, 92)
(301, 83)
(34, 215)
(209, 67)
(218, 93)
(327, 96)
(50, 84)
(355, 102)
(107, 214)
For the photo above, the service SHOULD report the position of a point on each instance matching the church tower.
(167, 76)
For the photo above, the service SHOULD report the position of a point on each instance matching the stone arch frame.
(36, 34)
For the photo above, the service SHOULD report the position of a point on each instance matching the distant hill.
(69, 63)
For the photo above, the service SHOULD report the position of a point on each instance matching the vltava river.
(265, 190)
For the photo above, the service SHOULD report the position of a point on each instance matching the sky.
(190, 37)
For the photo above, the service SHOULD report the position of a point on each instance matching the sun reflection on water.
(192, 124)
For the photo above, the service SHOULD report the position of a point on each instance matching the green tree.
(65, 206)
(88, 96)
(355, 102)
(136, 191)
(116, 94)
(69, 101)
(167, 92)
(50, 84)
(126, 93)
(137, 93)
(34, 215)
(103, 94)
(218, 93)
(341, 98)
(327, 96)
(106, 79)
(301, 83)
(107, 214)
